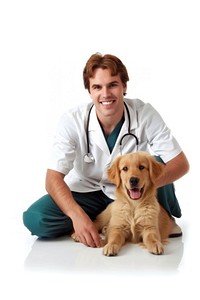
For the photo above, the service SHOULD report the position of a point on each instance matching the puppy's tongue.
(135, 193)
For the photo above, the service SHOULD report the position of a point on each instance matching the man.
(87, 141)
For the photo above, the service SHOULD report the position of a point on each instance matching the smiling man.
(88, 139)
(107, 93)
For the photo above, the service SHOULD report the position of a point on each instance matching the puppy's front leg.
(116, 240)
(103, 219)
(151, 239)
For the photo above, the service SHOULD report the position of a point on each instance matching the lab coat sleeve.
(64, 147)
(160, 138)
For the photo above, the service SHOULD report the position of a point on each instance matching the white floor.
(34, 268)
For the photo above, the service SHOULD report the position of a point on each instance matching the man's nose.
(105, 92)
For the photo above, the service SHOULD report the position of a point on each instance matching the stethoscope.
(88, 157)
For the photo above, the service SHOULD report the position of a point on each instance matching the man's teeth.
(107, 102)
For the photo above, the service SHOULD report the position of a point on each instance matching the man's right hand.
(85, 229)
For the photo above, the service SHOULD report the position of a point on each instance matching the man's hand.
(85, 230)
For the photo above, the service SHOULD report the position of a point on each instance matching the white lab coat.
(70, 145)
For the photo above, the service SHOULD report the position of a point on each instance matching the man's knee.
(34, 222)
(45, 220)
(44, 226)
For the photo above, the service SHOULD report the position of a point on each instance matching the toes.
(75, 237)
(111, 250)
(157, 248)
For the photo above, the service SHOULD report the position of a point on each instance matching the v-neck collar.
(112, 137)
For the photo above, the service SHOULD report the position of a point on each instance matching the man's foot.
(176, 230)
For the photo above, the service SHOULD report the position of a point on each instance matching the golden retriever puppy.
(135, 215)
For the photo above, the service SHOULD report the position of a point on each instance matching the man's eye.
(113, 84)
(96, 87)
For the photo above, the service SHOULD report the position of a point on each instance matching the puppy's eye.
(125, 169)
(141, 167)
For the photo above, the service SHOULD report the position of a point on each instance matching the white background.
(44, 46)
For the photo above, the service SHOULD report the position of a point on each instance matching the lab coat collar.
(94, 126)
(133, 115)
(99, 136)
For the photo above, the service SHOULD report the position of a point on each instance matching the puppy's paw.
(156, 248)
(111, 249)
(75, 237)
(104, 230)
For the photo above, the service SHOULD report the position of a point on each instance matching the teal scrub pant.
(45, 219)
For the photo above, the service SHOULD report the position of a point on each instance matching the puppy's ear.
(155, 168)
(113, 172)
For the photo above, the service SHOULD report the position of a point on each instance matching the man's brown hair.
(107, 61)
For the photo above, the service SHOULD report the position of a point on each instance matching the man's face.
(107, 93)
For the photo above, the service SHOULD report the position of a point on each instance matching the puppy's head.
(135, 173)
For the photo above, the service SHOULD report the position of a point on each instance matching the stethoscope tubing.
(129, 128)
(88, 156)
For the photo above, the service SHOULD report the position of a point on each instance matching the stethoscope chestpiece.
(89, 158)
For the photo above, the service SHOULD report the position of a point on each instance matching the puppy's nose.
(134, 181)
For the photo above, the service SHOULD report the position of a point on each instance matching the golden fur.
(135, 215)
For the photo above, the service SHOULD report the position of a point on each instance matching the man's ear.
(114, 172)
